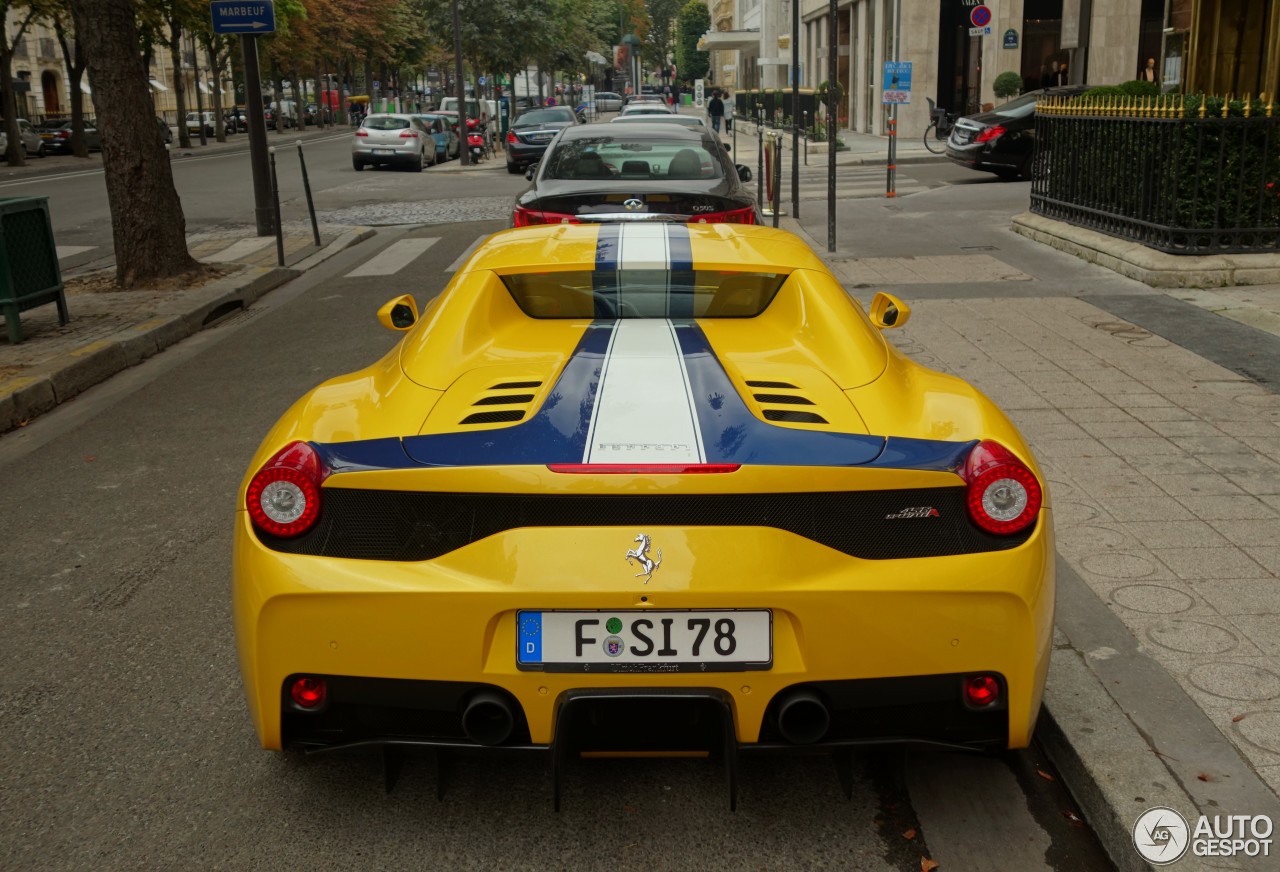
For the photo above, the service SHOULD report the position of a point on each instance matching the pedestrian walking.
(715, 110)
(728, 112)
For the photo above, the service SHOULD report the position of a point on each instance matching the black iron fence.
(1185, 175)
(777, 106)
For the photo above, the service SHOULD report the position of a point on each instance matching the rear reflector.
(642, 468)
(981, 690)
(308, 692)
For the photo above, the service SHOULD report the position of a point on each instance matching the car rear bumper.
(386, 153)
(980, 157)
(523, 153)
(883, 644)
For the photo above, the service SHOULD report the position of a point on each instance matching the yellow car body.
(818, 490)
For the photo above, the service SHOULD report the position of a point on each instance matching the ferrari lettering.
(915, 512)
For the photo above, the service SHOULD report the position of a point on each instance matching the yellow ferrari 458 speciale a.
(643, 487)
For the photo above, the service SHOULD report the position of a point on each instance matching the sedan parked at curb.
(392, 140)
(636, 172)
(444, 130)
(607, 101)
(57, 137)
(32, 144)
(531, 132)
(1003, 140)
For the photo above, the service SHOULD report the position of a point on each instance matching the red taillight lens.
(63, 134)
(283, 498)
(643, 468)
(362, 132)
(511, 136)
(1004, 496)
(308, 692)
(991, 133)
(981, 690)
(733, 216)
(408, 134)
(530, 217)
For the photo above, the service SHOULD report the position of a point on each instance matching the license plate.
(384, 151)
(689, 640)
(541, 137)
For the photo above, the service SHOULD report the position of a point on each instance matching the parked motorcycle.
(476, 135)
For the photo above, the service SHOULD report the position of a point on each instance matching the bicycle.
(940, 121)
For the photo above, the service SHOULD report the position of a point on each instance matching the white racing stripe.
(643, 411)
(644, 246)
(394, 257)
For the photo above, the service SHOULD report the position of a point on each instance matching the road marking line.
(65, 251)
(462, 258)
(394, 257)
(243, 248)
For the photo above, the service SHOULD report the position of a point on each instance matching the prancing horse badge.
(641, 553)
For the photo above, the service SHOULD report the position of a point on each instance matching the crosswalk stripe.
(65, 251)
(394, 257)
(243, 248)
(462, 258)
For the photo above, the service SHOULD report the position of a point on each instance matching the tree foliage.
(693, 21)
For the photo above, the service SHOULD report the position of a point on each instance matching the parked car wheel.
(513, 168)
(357, 165)
(420, 165)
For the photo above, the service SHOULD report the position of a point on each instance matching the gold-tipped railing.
(1162, 106)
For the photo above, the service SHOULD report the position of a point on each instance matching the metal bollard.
(306, 186)
(275, 199)
(777, 177)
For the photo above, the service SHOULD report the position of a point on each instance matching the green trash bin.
(29, 273)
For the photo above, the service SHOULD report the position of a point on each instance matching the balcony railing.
(1185, 175)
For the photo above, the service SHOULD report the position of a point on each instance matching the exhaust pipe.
(488, 719)
(803, 717)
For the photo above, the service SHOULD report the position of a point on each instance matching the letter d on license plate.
(692, 640)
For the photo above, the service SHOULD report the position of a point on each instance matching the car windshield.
(621, 157)
(544, 116)
(1020, 108)
(385, 122)
(642, 293)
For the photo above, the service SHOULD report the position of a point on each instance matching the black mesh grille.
(504, 400)
(770, 384)
(514, 385)
(494, 417)
(790, 417)
(873, 525)
(783, 399)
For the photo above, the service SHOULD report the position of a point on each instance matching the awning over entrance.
(729, 40)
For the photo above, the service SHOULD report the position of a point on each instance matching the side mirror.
(399, 314)
(727, 148)
(744, 172)
(888, 311)
(530, 171)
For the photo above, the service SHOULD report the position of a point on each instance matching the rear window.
(618, 157)
(386, 122)
(643, 293)
(545, 116)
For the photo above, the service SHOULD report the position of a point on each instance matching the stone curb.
(56, 381)
(1154, 268)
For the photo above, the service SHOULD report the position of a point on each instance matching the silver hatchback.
(396, 140)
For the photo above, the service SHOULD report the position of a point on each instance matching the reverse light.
(531, 217)
(283, 497)
(1004, 496)
(643, 468)
(733, 216)
(308, 692)
(981, 691)
(991, 133)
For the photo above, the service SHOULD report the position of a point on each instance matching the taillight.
(408, 134)
(511, 136)
(283, 498)
(991, 133)
(63, 134)
(733, 216)
(308, 692)
(361, 132)
(530, 217)
(981, 691)
(1004, 496)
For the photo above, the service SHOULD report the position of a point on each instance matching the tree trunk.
(13, 152)
(75, 73)
(179, 92)
(215, 73)
(148, 227)
(299, 107)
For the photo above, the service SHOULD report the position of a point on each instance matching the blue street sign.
(243, 16)
(482, 81)
(897, 82)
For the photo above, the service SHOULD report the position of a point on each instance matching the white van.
(487, 109)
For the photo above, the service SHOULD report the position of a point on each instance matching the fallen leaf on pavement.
(1045, 775)
(1073, 818)
(1202, 777)
(1237, 719)
(909, 834)
(90, 458)
(927, 865)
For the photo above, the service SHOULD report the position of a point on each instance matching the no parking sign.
(980, 16)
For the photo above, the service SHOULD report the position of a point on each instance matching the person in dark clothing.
(715, 110)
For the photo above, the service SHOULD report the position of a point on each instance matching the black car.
(636, 172)
(1002, 141)
(532, 130)
(57, 137)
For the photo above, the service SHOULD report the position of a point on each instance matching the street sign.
(1011, 38)
(243, 16)
(897, 82)
(979, 31)
(980, 16)
(481, 81)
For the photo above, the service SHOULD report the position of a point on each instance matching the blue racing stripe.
(681, 280)
(604, 281)
(557, 432)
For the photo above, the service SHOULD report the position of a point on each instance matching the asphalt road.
(127, 744)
